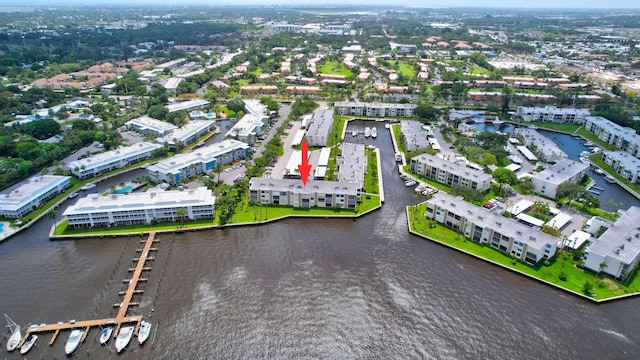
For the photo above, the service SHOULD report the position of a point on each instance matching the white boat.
(367, 132)
(354, 133)
(74, 341)
(409, 183)
(28, 344)
(610, 179)
(598, 171)
(106, 335)
(16, 336)
(374, 133)
(144, 332)
(88, 186)
(124, 337)
(386, 126)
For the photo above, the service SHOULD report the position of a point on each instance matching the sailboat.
(16, 336)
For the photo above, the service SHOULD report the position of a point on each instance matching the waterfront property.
(489, 226)
(147, 125)
(624, 164)
(375, 109)
(27, 195)
(140, 208)
(201, 161)
(415, 135)
(547, 181)
(623, 138)
(617, 251)
(352, 164)
(110, 160)
(544, 149)
(248, 128)
(451, 174)
(291, 192)
(552, 114)
(186, 134)
(320, 128)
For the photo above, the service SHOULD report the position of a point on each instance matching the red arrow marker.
(304, 168)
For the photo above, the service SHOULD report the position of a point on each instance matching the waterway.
(309, 288)
(573, 146)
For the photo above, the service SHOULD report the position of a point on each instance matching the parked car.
(488, 206)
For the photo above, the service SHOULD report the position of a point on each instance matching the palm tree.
(53, 215)
(603, 265)
(181, 213)
(218, 168)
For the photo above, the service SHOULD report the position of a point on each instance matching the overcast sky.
(574, 4)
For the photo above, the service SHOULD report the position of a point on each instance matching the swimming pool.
(1, 228)
(125, 189)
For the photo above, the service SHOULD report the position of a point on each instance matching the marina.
(80, 329)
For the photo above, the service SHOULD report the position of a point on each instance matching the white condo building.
(291, 192)
(320, 128)
(415, 135)
(201, 161)
(96, 210)
(196, 104)
(352, 164)
(552, 114)
(624, 164)
(26, 196)
(543, 147)
(248, 128)
(148, 125)
(110, 160)
(187, 134)
(451, 174)
(487, 226)
(375, 109)
(617, 251)
(623, 138)
(547, 181)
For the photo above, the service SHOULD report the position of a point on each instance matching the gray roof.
(352, 163)
(493, 220)
(452, 168)
(322, 123)
(561, 171)
(545, 146)
(295, 186)
(622, 240)
(415, 136)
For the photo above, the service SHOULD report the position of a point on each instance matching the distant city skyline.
(541, 4)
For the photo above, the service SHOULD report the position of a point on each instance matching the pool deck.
(7, 230)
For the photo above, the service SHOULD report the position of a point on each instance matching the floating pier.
(121, 317)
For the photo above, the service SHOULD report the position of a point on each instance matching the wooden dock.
(121, 317)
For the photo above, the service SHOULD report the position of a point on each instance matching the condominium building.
(96, 210)
(202, 160)
(488, 226)
(27, 195)
(186, 134)
(624, 164)
(414, 135)
(196, 104)
(320, 128)
(552, 114)
(248, 128)
(451, 174)
(148, 125)
(617, 251)
(623, 138)
(375, 109)
(352, 164)
(543, 147)
(547, 181)
(291, 192)
(110, 160)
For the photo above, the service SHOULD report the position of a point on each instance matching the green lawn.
(597, 160)
(594, 139)
(336, 133)
(478, 70)
(335, 68)
(405, 69)
(562, 263)
(62, 228)
(371, 178)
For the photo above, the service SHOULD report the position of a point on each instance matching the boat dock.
(124, 305)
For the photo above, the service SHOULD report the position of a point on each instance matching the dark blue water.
(573, 146)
